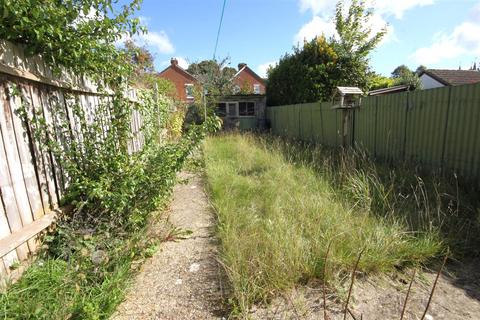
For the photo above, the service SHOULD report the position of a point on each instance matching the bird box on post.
(346, 98)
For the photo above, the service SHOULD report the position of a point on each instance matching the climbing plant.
(77, 34)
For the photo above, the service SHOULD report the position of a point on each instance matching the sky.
(442, 34)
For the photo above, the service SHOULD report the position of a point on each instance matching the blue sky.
(436, 33)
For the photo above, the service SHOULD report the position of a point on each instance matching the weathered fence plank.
(12, 212)
(26, 159)
(11, 257)
(14, 160)
(32, 179)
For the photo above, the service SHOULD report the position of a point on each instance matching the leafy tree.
(77, 34)
(144, 74)
(213, 76)
(401, 71)
(139, 57)
(377, 81)
(420, 69)
(311, 73)
(355, 37)
(411, 79)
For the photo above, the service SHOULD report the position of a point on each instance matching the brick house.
(247, 81)
(184, 82)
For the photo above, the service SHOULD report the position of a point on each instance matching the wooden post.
(345, 116)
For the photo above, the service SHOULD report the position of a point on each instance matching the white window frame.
(187, 85)
(255, 87)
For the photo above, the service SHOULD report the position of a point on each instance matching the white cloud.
(159, 41)
(314, 27)
(318, 26)
(263, 68)
(324, 10)
(464, 39)
(156, 41)
(182, 62)
(383, 7)
(396, 7)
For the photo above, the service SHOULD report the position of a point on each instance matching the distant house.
(435, 78)
(242, 111)
(247, 81)
(184, 82)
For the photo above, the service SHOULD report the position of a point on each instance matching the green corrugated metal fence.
(439, 128)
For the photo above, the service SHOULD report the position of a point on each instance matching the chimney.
(241, 65)
(174, 62)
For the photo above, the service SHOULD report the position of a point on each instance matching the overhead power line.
(219, 28)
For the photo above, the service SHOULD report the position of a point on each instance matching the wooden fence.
(438, 128)
(32, 180)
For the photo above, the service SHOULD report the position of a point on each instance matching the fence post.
(299, 122)
(375, 131)
(405, 127)
(442, 163)
(354, 111)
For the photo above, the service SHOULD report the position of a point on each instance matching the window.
(256, 88)
(232, 109)
(221, 110)
(246, 109)
(189, 90)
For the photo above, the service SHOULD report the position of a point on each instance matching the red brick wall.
(247, 78)
(179, 79)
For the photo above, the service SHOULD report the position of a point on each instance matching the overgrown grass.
(280, 204)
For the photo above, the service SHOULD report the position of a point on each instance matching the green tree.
(308, 74)
(144, 74)
(401, 71)
(139, 57)
(377, 81)
(214, 76)
(420, 69)
(311, 73)
(410, 79)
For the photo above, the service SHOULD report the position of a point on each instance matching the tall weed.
(280, 203)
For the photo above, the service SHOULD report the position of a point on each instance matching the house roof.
(453, 77)
(246, 68)
(393, 89)
(349, 90)
(179, 69)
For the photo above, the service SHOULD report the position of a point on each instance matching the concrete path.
(183, 280)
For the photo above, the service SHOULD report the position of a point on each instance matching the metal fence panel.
(438, 127)
(390, 126)
(365, 125)
(462, 143)
(425, 131)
